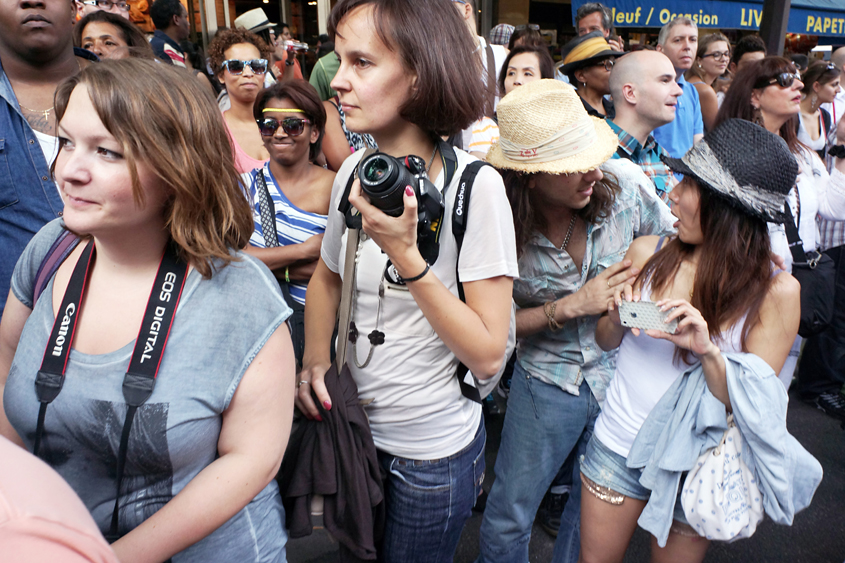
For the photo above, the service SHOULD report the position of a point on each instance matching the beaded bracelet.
(549, 308)
(287, 274)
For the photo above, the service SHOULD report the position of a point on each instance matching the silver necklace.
(431, 160)
(569, 232)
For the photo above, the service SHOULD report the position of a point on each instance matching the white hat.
(253, 20)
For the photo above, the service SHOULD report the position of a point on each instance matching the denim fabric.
(28, 196)
(428, 502)
(543, 425)
(689, 420)
(608, 469)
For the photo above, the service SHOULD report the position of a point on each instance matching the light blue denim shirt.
(689, 420)
(569, 356)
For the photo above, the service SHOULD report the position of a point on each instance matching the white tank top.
(645, 369)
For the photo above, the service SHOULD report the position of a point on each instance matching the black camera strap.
(460, 217)
(139, 381)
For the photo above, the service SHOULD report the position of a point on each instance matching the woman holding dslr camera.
(403, 90)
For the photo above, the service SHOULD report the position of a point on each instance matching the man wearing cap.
(573, 226)
(678, 40)
(645, 95)
(501, 34)
(172, 27)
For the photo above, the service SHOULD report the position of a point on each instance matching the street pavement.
(816, 536)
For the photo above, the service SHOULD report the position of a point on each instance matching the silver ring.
(608, 283)
(301, 383)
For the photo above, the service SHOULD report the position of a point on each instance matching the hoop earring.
(757, 116)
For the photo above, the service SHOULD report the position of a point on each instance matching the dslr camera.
(383, 178)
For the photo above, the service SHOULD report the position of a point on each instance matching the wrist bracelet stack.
(549, 308)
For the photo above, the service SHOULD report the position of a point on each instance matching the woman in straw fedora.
(717, 278)
(575, 213)
(397, 84)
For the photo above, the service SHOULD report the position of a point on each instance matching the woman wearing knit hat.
(717, 279)
(575, 213)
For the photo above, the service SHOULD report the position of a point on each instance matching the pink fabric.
(243, 162)
(41, 518)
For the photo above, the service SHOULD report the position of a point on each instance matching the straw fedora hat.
(543, 127)
(254, 20)
(585, 51)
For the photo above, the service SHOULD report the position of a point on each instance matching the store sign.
(725, 15)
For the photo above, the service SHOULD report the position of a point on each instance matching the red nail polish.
(409, 190)
(328, 405)
(318, 417)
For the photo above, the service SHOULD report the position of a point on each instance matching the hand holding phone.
(646, 315)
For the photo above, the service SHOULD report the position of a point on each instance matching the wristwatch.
(837, 150)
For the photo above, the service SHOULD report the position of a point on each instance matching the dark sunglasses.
(784, 80)
(292, 126)
(236, 66)
(533, 26)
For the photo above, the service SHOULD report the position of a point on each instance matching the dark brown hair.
(304, 97)
(225, 38)
(734, 271)
(130, 33)
(737, 101)
(173, 126)
(437, 47)
(547, 65)
(525, 218)
(528, 35)
(821, 72)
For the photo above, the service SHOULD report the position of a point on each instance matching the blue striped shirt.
(569, 356)
(293, 225)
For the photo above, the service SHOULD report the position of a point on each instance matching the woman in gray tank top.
(145, 170)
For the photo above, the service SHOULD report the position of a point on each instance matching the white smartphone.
(646, 315)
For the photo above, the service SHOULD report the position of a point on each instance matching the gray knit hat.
(741, 162)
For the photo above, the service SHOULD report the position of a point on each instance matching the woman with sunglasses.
(291, 190)
(711, 61)
(768, 92)
(821, 85)
(396, 84)
(175, 365)
(587, 61)
(239, 59)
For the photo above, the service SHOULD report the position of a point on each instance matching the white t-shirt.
(499, 56)
(417, 409)
(50, 148)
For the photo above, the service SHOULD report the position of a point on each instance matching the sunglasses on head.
(236, 66)
(292, 126)
(784, 80)
(533, 26)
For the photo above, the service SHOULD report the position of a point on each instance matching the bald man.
(645, 96)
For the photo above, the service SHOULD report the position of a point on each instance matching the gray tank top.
(219, 327)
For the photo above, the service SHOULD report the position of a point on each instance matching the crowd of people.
(196, 244)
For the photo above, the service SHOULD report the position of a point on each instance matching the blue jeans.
(428, 503)
(543, 424)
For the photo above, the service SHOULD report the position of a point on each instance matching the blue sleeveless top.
(214, 338)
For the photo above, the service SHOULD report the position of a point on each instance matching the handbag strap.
(796, 245)
(266, 211)
(345, 309)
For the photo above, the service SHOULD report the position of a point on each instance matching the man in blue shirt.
(678, 40)
(645, 97)
(36, 55)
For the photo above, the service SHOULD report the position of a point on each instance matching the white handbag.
(720, 496)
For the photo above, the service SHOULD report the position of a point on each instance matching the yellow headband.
(588, 49)
(265, 110)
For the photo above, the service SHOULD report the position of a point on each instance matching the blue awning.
(812, 17)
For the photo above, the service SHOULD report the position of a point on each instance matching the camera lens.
(376, 170)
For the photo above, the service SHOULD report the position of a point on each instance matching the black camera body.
(383, 178)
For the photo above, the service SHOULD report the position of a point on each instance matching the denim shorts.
(607, 469)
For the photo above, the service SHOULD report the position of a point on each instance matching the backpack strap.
(58, 253)
(460, 216)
